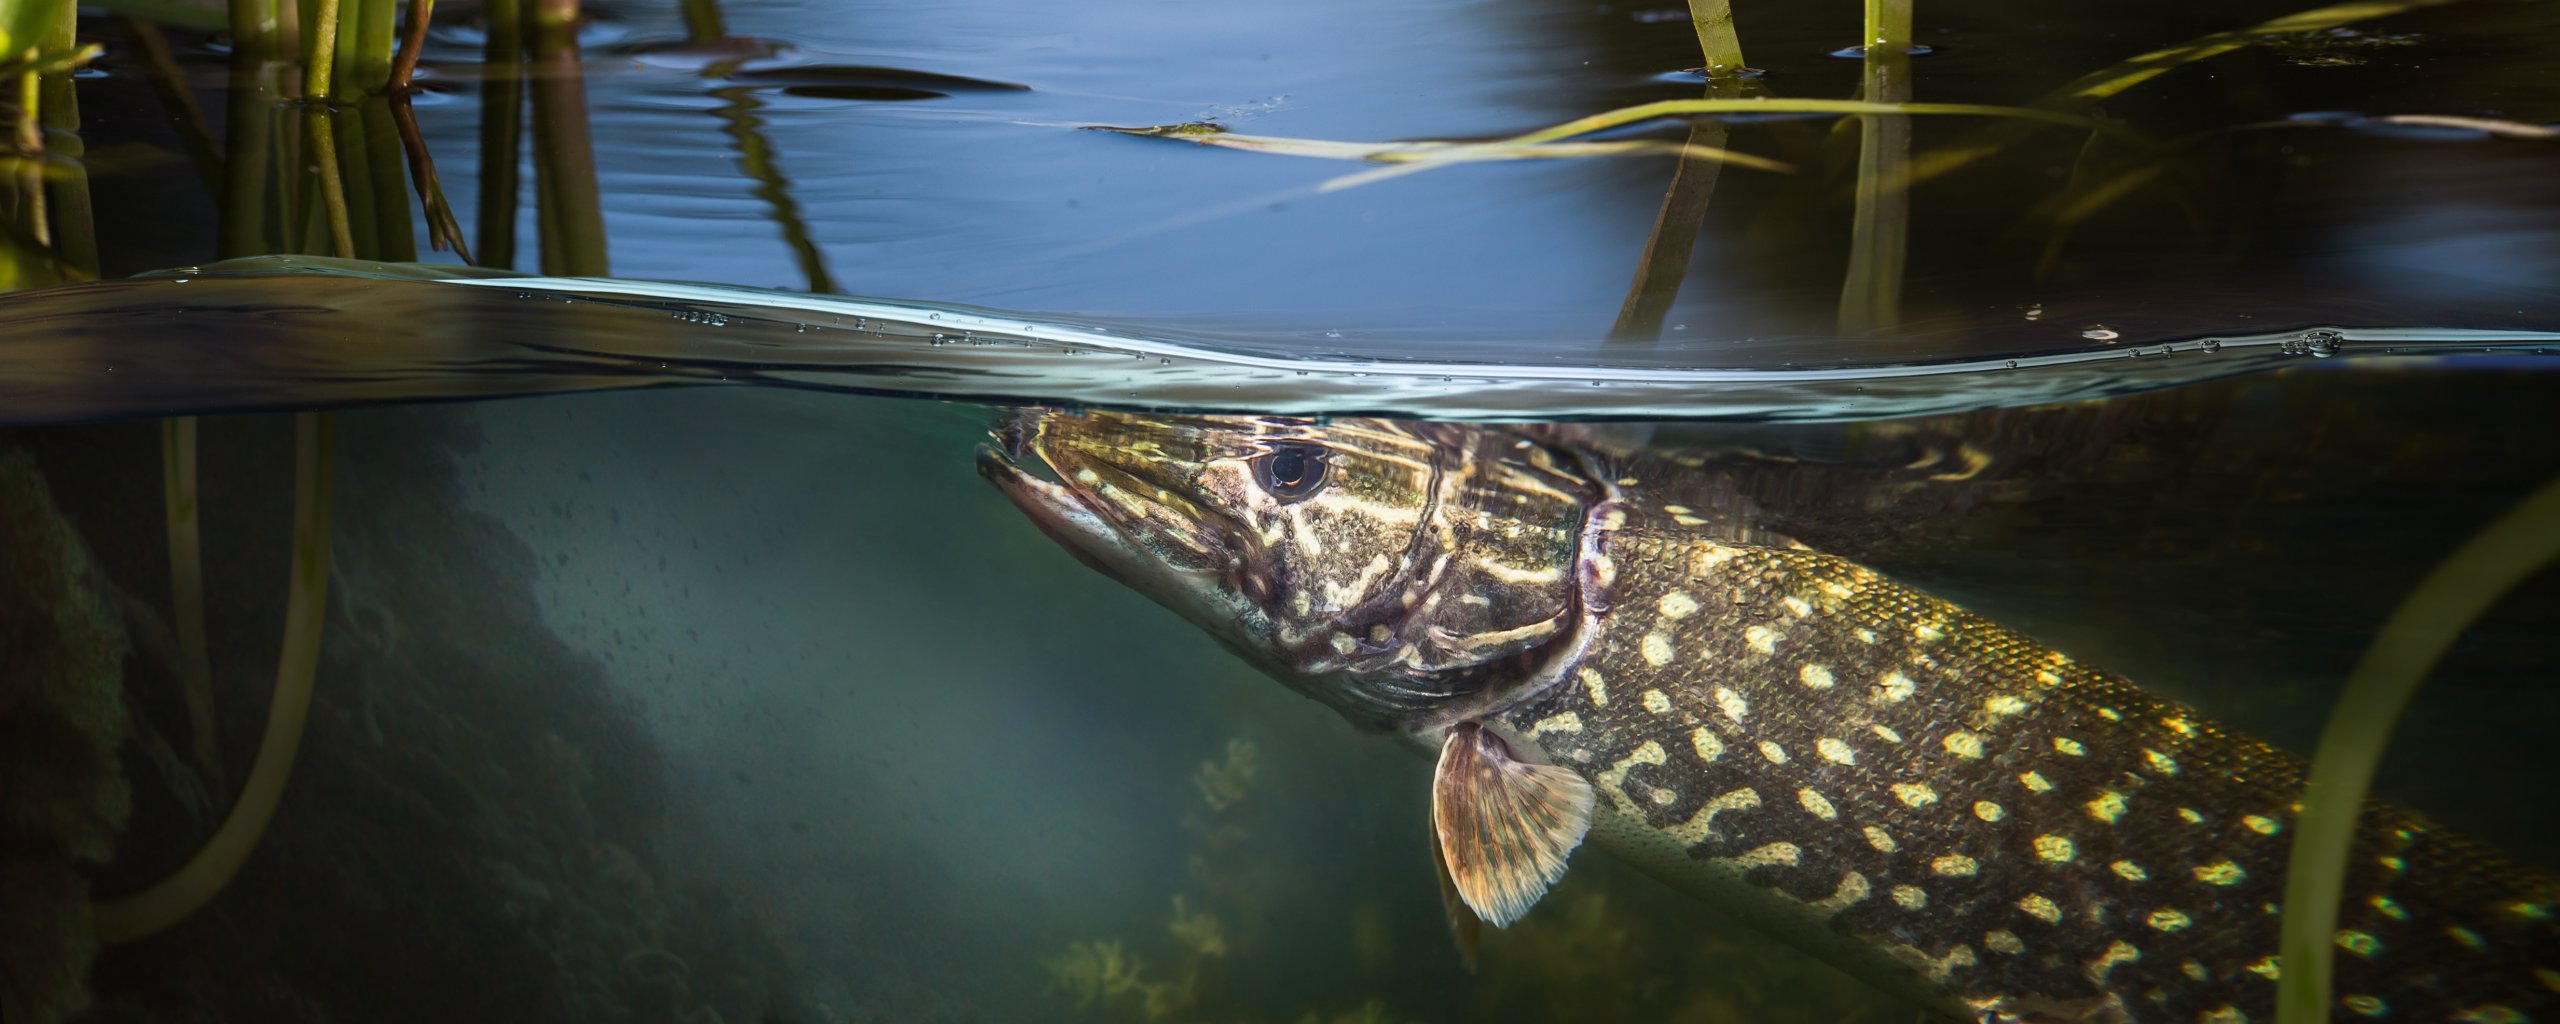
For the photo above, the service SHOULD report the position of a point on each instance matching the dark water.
(754, 704)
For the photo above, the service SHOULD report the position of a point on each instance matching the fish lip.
(1053, 506)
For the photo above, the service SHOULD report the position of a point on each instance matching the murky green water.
(681, 702)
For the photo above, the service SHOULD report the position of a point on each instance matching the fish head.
(1385, 567)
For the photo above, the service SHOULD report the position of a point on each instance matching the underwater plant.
(63, 725)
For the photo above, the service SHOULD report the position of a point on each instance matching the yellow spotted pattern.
(2054, 848)
(2221, 872)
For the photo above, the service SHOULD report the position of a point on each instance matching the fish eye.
(1292, 470)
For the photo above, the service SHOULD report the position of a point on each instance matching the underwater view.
(806, 511)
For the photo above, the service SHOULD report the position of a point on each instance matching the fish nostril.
(1010, 437)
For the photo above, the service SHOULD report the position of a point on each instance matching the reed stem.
(186, 592)
(171, 900)
(1718, 43)
(2494, 561)
(319, 56)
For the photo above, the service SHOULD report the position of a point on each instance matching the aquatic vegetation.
(1225, 784)
(63, 725)
(148, 912)
(2501, 556)
(1372, 1012)
(1105, 975)
(1198, 933)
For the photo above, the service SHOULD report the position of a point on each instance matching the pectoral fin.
(1505, 825)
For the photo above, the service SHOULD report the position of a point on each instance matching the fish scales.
(2005, 824)
(1941, 806)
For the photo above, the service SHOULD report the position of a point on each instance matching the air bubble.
(2101, 333)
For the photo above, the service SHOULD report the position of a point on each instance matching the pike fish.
(1936, 804)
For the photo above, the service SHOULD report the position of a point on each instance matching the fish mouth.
(1056, 508)
(1092, 508)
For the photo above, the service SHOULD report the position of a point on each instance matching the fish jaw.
(1098, 532)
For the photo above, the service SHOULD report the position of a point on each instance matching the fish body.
(1932, 802)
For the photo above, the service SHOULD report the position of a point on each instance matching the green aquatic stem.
(173, 899)
(1888, 26)
(2427, 622)
(1880, 220)
(1642, 112)
(375, 29)
(1719, 44)
(28, 135)
(320, 48)
(257, 27)
(2097, 86)
(75, 237)
(186, 591)
(27, 24)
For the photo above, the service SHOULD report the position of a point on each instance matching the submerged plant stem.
(172, 899)
(2506, 553)
(186, 591)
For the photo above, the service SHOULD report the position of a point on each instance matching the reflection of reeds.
(321, 139)
(170, 83)
(1674, 237)
(501, 126)
(571, 213)
(2494, 561)
(737, 112)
